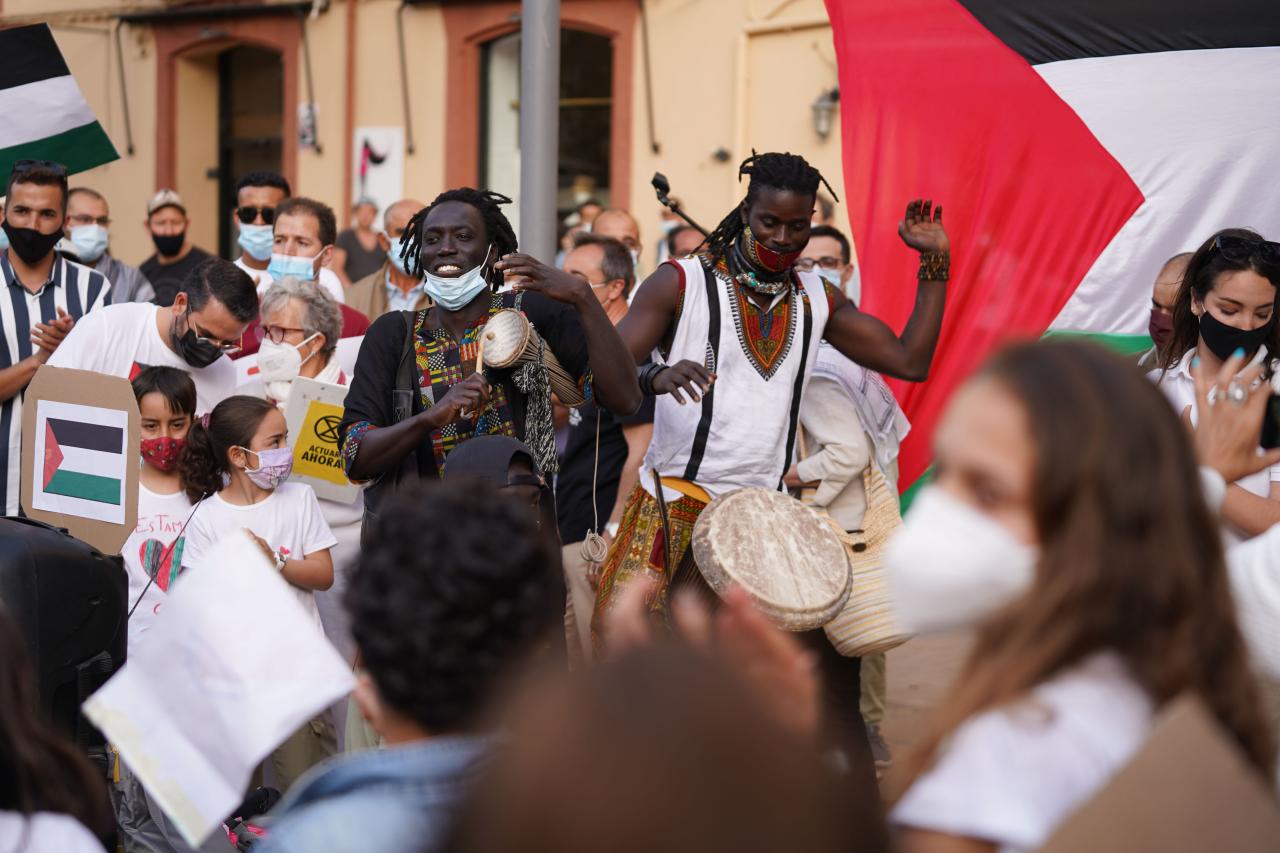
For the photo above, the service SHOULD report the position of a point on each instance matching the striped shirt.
(71, 287)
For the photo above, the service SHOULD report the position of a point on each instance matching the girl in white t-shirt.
(1093, 604)
(236, 465)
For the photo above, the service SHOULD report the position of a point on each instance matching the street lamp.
(824, 110)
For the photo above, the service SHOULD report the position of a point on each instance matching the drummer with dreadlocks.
(416, 393)
(738, 328)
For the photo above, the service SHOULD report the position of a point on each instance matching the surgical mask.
(4, 239)
(950, 566)
(635, 259)
(194, 350)
(274, 467)
(1223, 340)
(831, 277)
(89, 241)
(292, 265)
(393, 255)
(162, 453)
(1160, 327)
(29, 244)
(280, 362)
(169, 245)
(452, 294)
(256, 240)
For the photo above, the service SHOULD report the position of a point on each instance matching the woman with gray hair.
(301, 325)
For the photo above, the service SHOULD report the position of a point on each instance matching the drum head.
(504, 338)
(779, 550)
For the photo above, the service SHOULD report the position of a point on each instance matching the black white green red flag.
(1075, 145)
(43, 114)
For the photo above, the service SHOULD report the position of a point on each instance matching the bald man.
(390, 288)
(1163, 295)
(621, 226)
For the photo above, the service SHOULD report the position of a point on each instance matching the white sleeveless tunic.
(743, 433)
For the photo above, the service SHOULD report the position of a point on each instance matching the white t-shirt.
(328, 280)
(120, 340)
(46, 832)
(1011, 775)
(1180, 387)
(160, 518)
(289, 519)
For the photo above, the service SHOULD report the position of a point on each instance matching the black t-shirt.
(167, 279)
(573, 485)
(360, 261)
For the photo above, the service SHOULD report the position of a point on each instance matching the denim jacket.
(399, 798)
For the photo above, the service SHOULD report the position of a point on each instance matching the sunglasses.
(247, 214)
(21, 166)
(1242, 250)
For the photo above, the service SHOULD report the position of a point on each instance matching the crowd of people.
(514, 583)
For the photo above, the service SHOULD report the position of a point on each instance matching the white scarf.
(278, 391)
(879, 412)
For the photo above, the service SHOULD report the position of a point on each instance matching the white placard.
(313, 414)
(85, 466)
(232, 666)
(377, 167)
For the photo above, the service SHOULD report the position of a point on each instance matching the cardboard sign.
(80, 455)
(313, 414)
(1188, 790)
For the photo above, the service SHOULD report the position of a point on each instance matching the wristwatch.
(280, 561)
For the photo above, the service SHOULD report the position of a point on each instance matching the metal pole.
(539, 126)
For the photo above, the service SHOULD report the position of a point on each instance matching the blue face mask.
(452, 294)
(89, 241)
(831, 277)
(4, 240)
(256, 241)
(292, 265)
(393, 255)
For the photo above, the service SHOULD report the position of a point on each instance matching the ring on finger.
(1237, 393)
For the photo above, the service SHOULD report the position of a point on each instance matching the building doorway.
(250, 127)
(586, 119)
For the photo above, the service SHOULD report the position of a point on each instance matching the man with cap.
(176, 257)
(358, 251)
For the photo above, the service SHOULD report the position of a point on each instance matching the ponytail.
(204, 463)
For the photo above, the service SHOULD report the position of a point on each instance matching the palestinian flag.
(80, 460)
(43, 115)
(1075, 144)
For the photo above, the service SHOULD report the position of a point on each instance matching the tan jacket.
(369, 295)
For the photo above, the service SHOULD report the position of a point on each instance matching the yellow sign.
(314, 414)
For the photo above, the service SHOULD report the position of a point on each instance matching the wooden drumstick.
(480, 351)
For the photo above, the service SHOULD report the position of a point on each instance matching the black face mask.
(1223, 340)
(194, 350)
(30, 244)
(169, 244)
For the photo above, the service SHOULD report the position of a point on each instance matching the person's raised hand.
(47, 336)
(685, 376)
(1230, 407)
(527, 273)
(466, 399)
(921, 227)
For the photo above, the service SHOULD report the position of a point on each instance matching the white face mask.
(950, 566)
(831, 277)
(452, 294)
(280, 362)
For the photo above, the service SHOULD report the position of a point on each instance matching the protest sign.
(314, 413)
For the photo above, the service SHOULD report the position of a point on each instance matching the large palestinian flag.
(1074, 144)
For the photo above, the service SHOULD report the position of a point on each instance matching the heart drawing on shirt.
(149, 555)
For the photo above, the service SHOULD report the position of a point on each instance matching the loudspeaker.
(70, 604)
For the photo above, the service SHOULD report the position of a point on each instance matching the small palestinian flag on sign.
(80, 453)
(1076, 146)
(45, 116)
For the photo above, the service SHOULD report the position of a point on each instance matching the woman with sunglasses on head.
(1228, 302)
(1094, 606)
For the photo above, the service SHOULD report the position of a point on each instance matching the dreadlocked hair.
(784, 171)
(497, 228)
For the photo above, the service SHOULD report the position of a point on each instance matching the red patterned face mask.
(162, 453)
(764, 257)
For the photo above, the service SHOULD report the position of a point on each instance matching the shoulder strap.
(798, 390)
(406, 369)
(699, 448)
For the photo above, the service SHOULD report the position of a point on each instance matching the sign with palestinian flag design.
(46, 115)
(80, 455)
(1076, 145)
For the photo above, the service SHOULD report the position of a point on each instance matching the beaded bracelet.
(934, 266)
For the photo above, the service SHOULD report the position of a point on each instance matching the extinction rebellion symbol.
(326, 428)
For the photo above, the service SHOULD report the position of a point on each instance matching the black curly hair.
(785, 171)
(498, 230)
(458, 586)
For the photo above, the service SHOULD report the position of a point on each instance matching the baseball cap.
(165, 198)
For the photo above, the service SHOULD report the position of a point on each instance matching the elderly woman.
(301, 325)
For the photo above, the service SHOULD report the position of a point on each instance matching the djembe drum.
(509, 341)
(779, 550)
